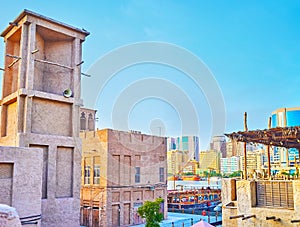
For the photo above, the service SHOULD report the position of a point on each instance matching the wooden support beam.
(87, 75)
(295, 221)
(268, 150)
(245, 147)
(14, 62)
(53, 63)
(80, 63)
(13, 56)
(35, 51)
(237, 216)
(273, 218)
(250, 216)
(270, 218)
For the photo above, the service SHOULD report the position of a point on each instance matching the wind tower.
(40, 107)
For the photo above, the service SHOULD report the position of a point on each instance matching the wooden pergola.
(288, 137)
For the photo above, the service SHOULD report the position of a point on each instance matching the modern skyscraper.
(285, 117)
(219, 144)
(171, 144)
(185, 143)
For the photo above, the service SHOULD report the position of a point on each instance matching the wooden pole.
(250, 216)
(284, 119)
(14, 62)
(245, 147)
(269, 162)
(268, 150)
(53, 63)
(237, 216)
(174, 185)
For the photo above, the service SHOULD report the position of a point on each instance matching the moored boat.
(193, 199)
(172, 178)
(191, 178)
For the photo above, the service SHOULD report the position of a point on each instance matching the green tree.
(236, 174)
(150, 211)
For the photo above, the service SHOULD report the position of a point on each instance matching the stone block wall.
(246, 204)
(21, 189)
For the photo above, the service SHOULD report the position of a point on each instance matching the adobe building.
(41, 153)
(264, 199)
(120, 171)
(260, 202)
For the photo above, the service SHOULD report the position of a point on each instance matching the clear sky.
(252, 48)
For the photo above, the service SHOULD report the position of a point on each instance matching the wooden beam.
(53, 63)
(295, 221)
(13, 56)
(268, 151)
(237, 216)
(245, 147)
(270, 218)
(14, 62)
(250, 216)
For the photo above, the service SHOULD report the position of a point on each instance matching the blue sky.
(251, 47)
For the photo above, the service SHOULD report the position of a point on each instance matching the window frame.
(161, 174)
(87, 175)
(96, 177)
(137, 176)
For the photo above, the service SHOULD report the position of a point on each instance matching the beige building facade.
(254, 161)
(120, 171)
(38, 116)
(177, 160)
(209, 160)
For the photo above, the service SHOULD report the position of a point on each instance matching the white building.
(230, 165)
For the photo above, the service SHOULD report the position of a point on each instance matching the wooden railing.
(277, 194)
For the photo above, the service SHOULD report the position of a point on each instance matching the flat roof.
(31, 13)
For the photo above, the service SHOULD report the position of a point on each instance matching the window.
(91, 123)
(275, 194)
(82, 121)
(137, 175)
(161, 174)
(96, 174)
(87, 174)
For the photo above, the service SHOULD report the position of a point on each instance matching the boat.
(172, 178)
(191, 178)
(193, 199)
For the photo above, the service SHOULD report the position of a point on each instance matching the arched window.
(91, 122)
(82, 121)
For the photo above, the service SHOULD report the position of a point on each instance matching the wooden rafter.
(288, 137)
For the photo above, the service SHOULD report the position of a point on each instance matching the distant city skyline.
(252, 48)
(185, 143)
